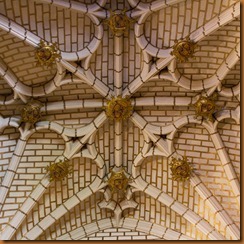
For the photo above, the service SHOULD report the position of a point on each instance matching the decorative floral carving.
(205, 107)
(181, 169)
(119, 108)
(31, 112)
(58, 171)
(118, 22)
(118, 181)
(184, 49)
(46, 53)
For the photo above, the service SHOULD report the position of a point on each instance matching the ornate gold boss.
(180, 169)
(58, 171)
(184, 49)
(205, 107)
(46, 53)
(118, 181)
(118, 22)
(31, 112)
(119, 108)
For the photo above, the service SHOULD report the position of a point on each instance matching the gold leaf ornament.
(118, 22)
(119, 108)
(58, 171)
(118, 181)
(181, 169)
(184, 49)
(47, 53)
(31, 112)
(205, 107)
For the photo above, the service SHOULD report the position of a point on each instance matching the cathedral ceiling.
(119, 120)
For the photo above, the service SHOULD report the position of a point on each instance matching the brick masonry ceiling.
(120, 59)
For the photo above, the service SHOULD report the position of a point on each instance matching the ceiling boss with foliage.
(127, 124)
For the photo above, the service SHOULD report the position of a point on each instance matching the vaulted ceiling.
(97, 67)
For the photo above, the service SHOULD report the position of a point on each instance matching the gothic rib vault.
(118, 59)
